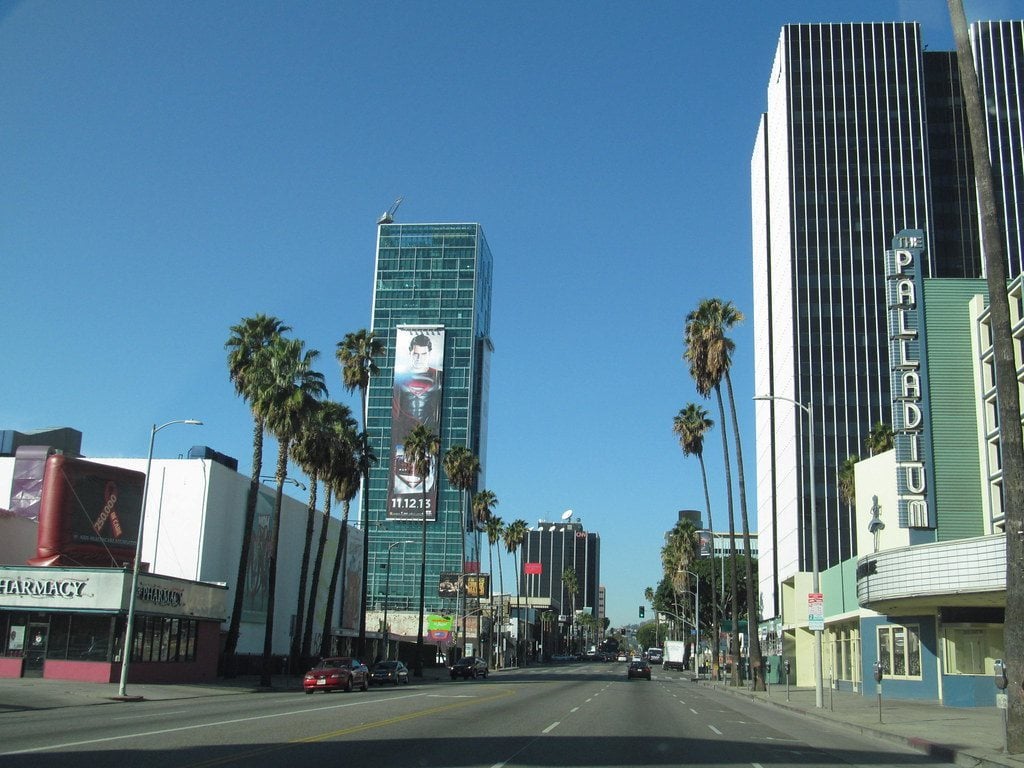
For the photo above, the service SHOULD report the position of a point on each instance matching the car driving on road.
(469, 667)
(337, 673)
(393, 672)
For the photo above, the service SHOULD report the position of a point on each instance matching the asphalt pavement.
(973, 736)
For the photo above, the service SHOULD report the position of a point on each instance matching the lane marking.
(232, 721)
(715, 730)
(551, 727)
(575, 709)
(694, 711)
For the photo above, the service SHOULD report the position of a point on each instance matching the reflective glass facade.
(428, 275)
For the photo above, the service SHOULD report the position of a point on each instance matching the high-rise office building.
(865, 135)
(550, 549)
(432, 311)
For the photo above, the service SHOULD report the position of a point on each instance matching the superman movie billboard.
(416, 399)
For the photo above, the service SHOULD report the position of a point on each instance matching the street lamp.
(815, 575)
(292, 480)
(126, 650)
(387, 593)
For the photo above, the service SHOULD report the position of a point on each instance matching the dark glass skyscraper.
(864, 136)
(432, 311)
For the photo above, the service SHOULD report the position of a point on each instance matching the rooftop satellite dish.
(567, 514)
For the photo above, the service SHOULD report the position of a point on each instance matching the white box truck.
(674, 654)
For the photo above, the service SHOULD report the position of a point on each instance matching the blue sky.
(171, 167)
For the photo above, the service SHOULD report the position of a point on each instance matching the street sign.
(815, 611)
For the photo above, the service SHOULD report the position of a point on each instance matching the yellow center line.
(346, 731)
(399, 718)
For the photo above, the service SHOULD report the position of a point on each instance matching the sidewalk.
(972, 736)
(28, 694)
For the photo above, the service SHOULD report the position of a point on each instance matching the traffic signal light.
(641, 611)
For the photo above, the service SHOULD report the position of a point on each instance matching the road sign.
(815, 611)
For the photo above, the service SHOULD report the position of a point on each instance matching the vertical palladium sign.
(910, 427)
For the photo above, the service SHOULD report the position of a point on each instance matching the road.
(581, 715)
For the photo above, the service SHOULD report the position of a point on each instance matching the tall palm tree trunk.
(307, 632)
(295, 654)
(231, 642)
(418, 661)
(1011, 439)
(268, 634)
(737, 678)
(714, 598)
(753, 634)
(332, 589)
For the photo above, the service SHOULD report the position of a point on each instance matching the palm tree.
(709, 352)
(571, 584)
(284, 399)
(307, 450)
(346, 474)
(845, 478)
(481, 504)
(495, 530)
(247, 346)
(879, 439)
(514, 535)
(337, 424)
(421, 448)
(355, 353)
(691, 424)
(461, 468)
(1011, 440)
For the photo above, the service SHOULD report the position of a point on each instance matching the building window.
(972, 649)
(165, 639)
(899, 651)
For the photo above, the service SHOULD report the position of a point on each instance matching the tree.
(247, 348)
(284, 399)
(347, 470)
(709, 352)
(515, 534)
(677, 555)
(495, 530)
(421, 448)
(356, 353)
(461, 468)
(1011, 438)
(846, 480)
(691, 424)
(482, 503)
(879, 439)
(571, 585)
(337, 457)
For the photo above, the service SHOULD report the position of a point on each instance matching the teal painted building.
(432, 311)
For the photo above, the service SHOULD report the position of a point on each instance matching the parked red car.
(338, 673)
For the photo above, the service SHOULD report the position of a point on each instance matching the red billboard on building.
(88, 514)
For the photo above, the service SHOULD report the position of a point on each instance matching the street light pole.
(815, 573)
(126, 650)
(387, 594)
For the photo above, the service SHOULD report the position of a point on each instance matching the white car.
(622, 657)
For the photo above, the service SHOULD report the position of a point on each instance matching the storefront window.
(972, 649)
(899, 651)
(12, 634)
(165, 639)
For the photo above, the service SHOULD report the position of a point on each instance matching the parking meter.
(1000, 675)
(878, 671)
(786, 663)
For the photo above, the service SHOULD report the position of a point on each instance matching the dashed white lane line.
(715, 730)
(551, 727)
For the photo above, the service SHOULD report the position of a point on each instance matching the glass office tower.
(864, 136)
(432, 311)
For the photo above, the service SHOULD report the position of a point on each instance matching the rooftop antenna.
(567, 514)
(388, 217)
